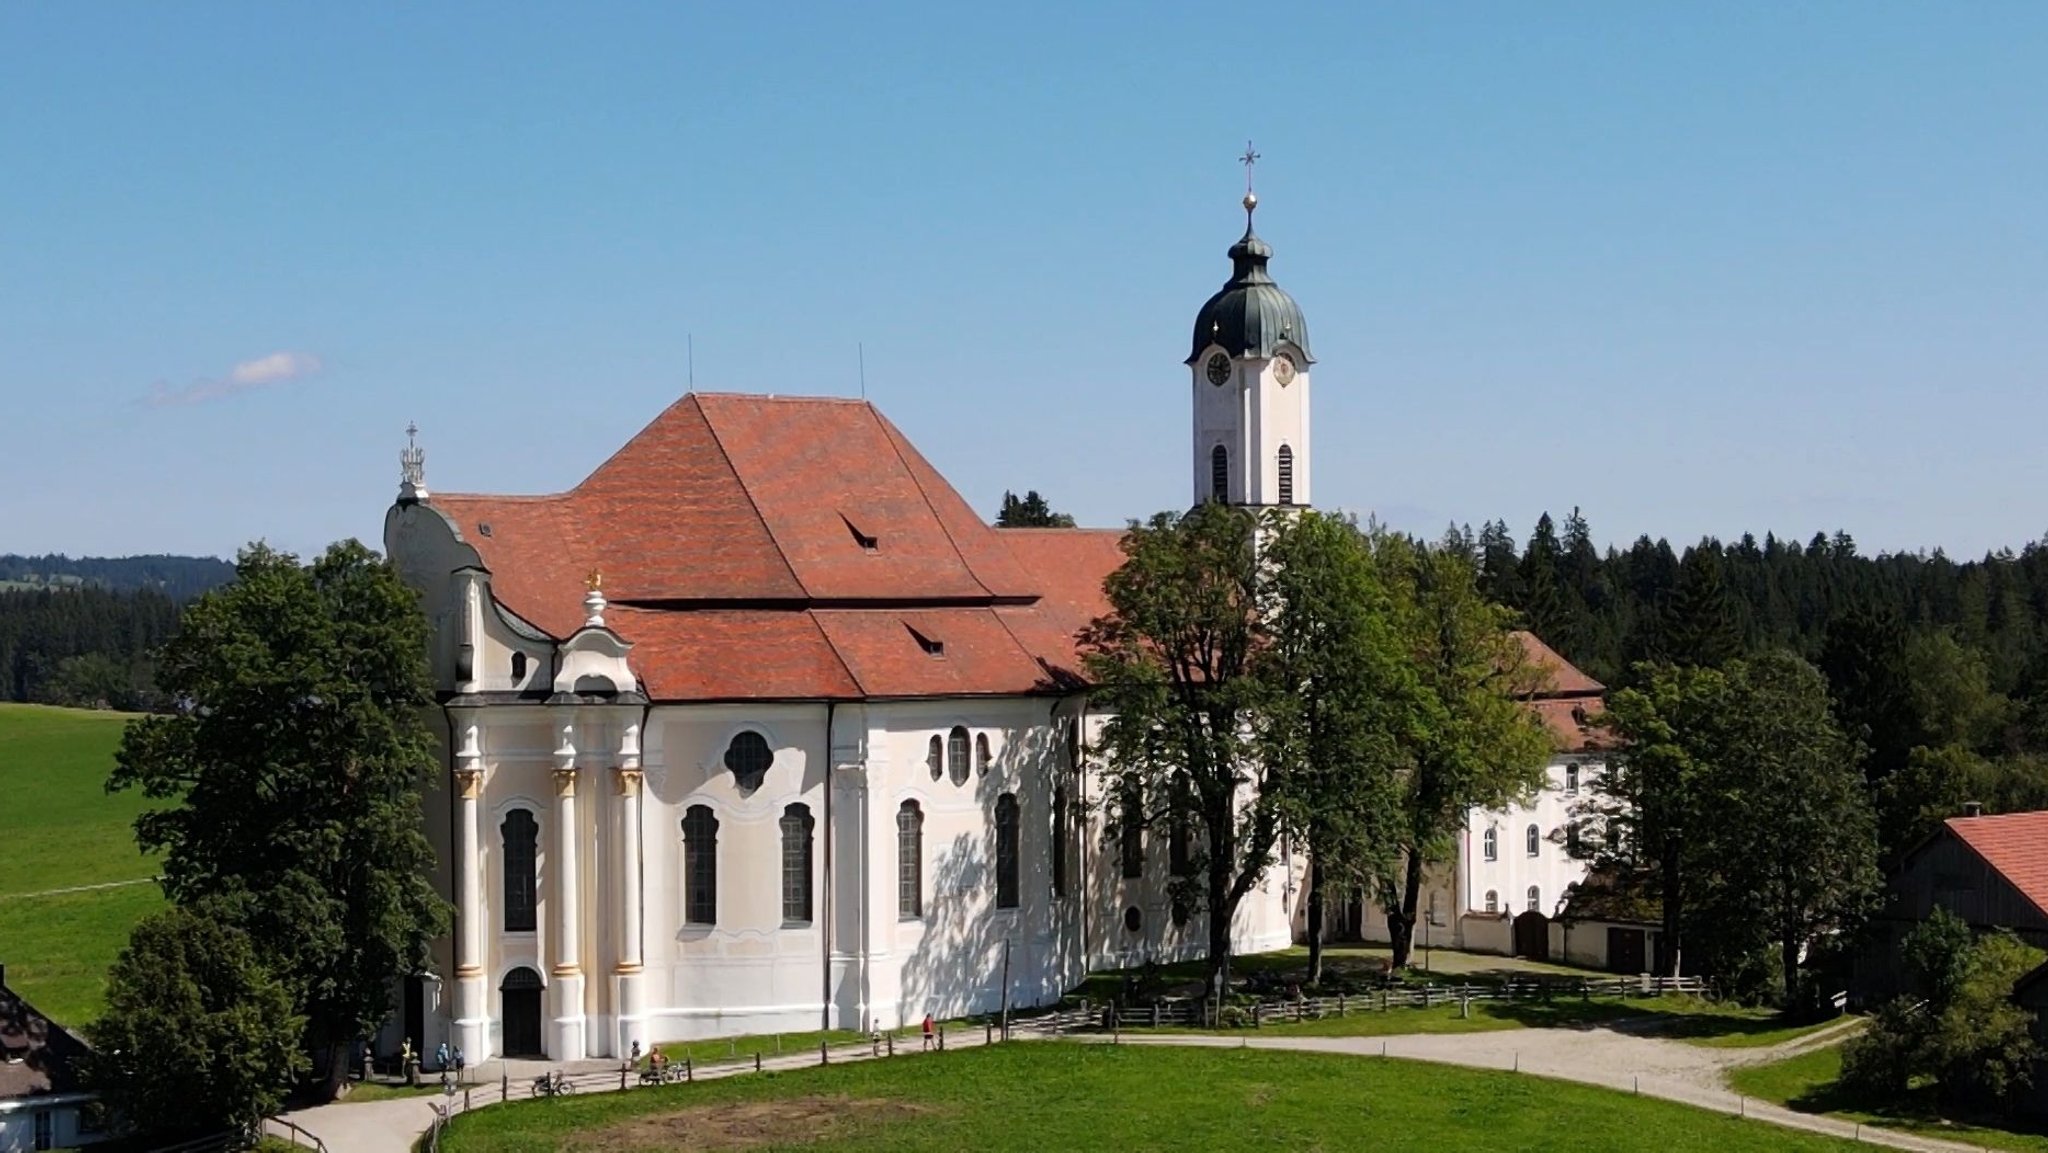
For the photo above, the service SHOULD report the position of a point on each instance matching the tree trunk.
(1789, 954)
(1316, 896)
(334, 1078)
(1667, 963)
(1401, 922)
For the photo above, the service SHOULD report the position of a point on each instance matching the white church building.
(761, 727)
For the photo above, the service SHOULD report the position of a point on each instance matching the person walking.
(441, 1056)
(460, 1064)
(927, 1031)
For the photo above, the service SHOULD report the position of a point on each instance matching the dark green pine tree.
(1701, 626)
(1549, 608)
(1500, 578)
(1030, 511)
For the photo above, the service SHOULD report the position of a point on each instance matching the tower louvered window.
(1219, 474)
(1286, 475)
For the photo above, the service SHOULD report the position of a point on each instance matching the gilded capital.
(626, 782)
(469, 783)
(565, 782)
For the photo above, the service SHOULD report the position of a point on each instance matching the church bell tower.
(1249, 366)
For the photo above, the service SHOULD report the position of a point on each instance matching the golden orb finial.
(594, 581)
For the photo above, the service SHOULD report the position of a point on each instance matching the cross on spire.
(1251, 199)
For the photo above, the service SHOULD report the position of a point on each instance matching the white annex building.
(762, 728)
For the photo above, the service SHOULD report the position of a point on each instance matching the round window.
(1133, 919)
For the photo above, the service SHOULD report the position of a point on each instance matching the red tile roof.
(801, 540)
(2016, 845)
(758, 548)
(1565, 679)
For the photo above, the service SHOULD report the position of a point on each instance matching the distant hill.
(178, 577)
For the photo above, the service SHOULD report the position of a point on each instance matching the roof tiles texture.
(2015, 844)
(784, 548)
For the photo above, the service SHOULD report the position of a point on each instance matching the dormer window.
(866, 542)
(931, 646)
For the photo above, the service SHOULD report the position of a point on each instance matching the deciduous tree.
(293, 776)
(198, 1036)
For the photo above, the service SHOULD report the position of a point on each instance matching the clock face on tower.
(1283, 371)
(1219, 369)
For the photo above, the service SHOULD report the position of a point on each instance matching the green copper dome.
(1251, 315)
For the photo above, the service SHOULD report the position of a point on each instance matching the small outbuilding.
(1991, 871)
(42, 1104)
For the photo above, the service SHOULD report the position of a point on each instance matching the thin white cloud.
(262, 372)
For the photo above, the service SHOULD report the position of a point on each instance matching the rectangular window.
(910, 861)
(520, 837)
(1006, 851)
(796, 864)
(46, 1129)
(1132, 833)
(1571, 780)
(1059, 842)
(700, 866)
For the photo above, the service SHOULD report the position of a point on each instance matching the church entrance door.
(519, 1009)
(1532, 936)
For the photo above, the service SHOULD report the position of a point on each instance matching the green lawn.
(767, 1044)
(1808, 1083)
(60, 829)
(1035, 1096)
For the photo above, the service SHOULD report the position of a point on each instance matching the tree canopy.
(292, 778)
(1030, 511)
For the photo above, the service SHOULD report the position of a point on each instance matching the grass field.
(59, 829)
(1037, 1096)
(1808, 1083)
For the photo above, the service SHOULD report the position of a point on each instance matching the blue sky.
(1696, 269)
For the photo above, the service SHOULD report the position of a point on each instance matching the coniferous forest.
(1939, 667)
(81, 631)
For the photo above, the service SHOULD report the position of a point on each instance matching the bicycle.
(551, 1084)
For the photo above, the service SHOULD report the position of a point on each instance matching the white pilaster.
(472, 992)
(565, 989)
(632, 1028)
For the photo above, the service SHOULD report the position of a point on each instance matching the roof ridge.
(892, 434)
(746, 490)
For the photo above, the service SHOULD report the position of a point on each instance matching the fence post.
(1258, 1015)
(942, 1037)
(988, 1033)
(824, 1053)
(1425, 996)
(504, 1084)
(1155, 1014)
(1340, 1004)
(892, 1050)
(757, 1060)
(689, 1069)
(622, 1074)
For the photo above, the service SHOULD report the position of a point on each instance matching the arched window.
(1535, 839)
(1572, 846)
(1219, 474)
(910, 860)
(1492, 901)
(1059, 841)
(796, 864)
(934, 758)
(1571, 780)
(1535, 899)
(1006, 851)
(982, 757)
(1490, 843)
(1179, 912)
(521, 834)
(748, 756)
(519, 666)
(1132, 833)
(700, 866)
(956, 755)
(1286, 475)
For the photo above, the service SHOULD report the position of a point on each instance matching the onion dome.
(1250, 316)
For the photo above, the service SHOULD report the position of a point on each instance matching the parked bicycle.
(551, 1084)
